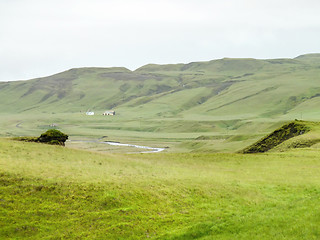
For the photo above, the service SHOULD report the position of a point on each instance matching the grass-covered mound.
(278, 136)
(52, 136)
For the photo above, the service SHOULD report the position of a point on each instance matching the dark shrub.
(26, 139)
(53, 136)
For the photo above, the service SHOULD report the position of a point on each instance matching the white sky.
(43, 37)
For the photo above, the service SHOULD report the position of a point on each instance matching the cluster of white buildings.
(106, 113)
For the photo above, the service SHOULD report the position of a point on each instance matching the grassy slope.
(295, 134)
(53, 192)
(310, 138)
(168, 103)
(206, 89)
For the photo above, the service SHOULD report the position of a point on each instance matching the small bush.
(54, 137)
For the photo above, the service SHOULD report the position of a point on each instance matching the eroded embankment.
(277, 137)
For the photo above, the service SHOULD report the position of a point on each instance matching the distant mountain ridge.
(232, 88)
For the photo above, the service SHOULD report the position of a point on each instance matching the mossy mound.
(277, 137)
(52, 136)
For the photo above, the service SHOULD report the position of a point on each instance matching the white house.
(109, 113)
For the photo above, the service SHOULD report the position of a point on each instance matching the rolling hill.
(217, 99)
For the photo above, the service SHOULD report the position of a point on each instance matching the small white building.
(90, 113)
(109, 113)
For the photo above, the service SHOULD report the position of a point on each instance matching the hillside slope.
(296, 134)
(226, 87)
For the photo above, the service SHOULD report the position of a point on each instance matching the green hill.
(288, 82)
(241, 98)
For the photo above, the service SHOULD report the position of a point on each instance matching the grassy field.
(51, 192)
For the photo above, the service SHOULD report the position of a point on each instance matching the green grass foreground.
(51, 192)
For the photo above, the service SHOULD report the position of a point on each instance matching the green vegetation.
(52, 136)
(168, 105)
(26, 139)
(52, 192)
(277, 137)
(297, 134)
(188, 192)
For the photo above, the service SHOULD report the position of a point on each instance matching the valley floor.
(51, 192)
(175, 135)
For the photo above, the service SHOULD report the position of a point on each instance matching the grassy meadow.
(51, 192)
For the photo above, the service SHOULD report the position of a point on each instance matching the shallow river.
(149, 149)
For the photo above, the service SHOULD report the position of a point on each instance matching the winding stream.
(149, 149)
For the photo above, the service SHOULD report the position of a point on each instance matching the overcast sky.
(43, 37)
